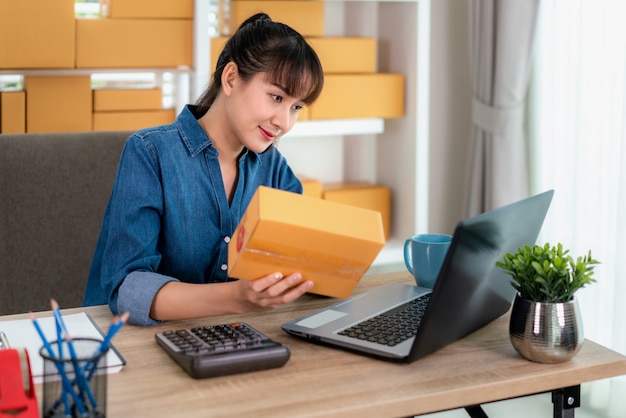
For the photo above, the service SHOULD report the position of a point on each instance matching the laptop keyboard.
(391, 327)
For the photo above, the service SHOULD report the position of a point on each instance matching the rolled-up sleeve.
(136, 294)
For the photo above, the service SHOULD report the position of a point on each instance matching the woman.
(181, 189)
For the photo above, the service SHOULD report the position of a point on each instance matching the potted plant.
(545, 324)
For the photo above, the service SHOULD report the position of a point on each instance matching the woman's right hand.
(270, 291)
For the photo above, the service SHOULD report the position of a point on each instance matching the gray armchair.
(54, 188)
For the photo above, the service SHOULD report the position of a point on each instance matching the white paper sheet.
(21, 333)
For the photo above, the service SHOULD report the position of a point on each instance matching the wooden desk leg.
(565, 401)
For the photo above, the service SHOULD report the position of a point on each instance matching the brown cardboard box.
(364, 195)
(307, 17)
(165, 9)
(131, 120)
(349, 55)
(127, 99)
(58, 103)
(304, 113)
(347, 96)
(36, 34)
(330, 243)
(217, 45)
(132, 43)
(311, 187)
(12, 112)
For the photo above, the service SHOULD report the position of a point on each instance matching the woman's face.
(260, 112)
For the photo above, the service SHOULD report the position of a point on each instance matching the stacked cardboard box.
(361, 194)
(147, 9)
(364, 195)
(40, 34)
(307, 17)
(353, 88)
(36, 34)
(159, 34)
(129, 109)
(58, 103)
(12, 112)
(133, 43)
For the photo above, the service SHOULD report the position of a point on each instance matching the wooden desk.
(320, 382)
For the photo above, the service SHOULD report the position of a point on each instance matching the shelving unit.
(391, 152)
(180, 79)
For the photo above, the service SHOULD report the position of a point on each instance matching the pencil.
(61, 329)
(61, 332)
(79, 371)
(113, 329)
(67, 385)
(64, 394)
(117, 323)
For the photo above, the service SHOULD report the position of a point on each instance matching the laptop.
(470, 292)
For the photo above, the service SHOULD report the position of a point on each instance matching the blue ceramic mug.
(424, 255)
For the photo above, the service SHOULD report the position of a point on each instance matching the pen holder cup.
(74, 379)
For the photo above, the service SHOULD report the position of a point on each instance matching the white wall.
(450, 112)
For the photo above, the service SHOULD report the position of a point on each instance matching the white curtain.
(578, 147)
(502, 34)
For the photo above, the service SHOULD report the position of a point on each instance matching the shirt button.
(227, 239)
(224, 267)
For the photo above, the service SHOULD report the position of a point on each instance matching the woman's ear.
(229, 77)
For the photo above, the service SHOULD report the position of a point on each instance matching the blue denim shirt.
(168, 216)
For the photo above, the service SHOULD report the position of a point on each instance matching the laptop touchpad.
(320, 319)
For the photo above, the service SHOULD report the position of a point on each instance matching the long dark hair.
(262, 45)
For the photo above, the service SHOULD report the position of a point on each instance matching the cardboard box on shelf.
(127, 99)
(307, 17)
(364, 195)
(348, 96)
(12, 112)
(131, 120)
(304, 113)
(133, 43)
(217, 45)
(311, 187)
(347, 55)
(58, 103)
(330, 243)
(36, 34)
(163, 9)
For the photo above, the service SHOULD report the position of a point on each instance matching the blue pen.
(65, 381)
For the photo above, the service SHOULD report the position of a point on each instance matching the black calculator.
(219, 350)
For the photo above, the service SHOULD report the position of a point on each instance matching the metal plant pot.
(546, 332)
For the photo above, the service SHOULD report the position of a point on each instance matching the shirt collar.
(194, 137)
(192, 134)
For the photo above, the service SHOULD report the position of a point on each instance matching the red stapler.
(18, 398)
